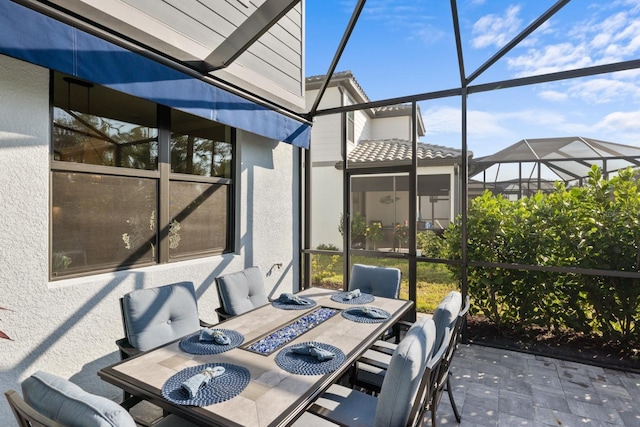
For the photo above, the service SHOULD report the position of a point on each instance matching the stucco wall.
(69, 327)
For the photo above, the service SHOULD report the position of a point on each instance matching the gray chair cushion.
(446, 314)
(348, 407)
(242, 291)
(65, 402)
(379, 281)
(156, 316)
(407, 366)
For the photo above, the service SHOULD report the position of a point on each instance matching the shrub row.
(595, 226)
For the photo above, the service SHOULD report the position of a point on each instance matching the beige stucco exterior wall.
(69, 327)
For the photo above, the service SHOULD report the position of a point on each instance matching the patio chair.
(405, 390)
(378, 281)
(240, 292)
(51, 401)
(154, 316)
(444, 376)
(369, 370)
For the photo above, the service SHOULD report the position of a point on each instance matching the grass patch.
(434, 281)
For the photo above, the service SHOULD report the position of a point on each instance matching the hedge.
(596, 226)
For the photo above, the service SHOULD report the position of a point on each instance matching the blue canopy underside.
(39, 39)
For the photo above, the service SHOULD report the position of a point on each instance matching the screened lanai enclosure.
(470, 79)
(414, 107)
(533, 165)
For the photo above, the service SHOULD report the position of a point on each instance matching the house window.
(111, 194)
(351, 128)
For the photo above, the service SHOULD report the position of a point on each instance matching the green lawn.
(434, 280)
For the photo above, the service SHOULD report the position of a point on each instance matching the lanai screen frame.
(466, 88)
(553, 155)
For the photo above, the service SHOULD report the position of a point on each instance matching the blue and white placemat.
(355, 314)
(362, 299)
(293, 306)
(193, 345)
(227, 386)
(303, 364)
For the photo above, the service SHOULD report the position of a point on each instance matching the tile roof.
(398, 150)
(338, 78)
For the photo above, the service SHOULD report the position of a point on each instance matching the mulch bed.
(566, 345)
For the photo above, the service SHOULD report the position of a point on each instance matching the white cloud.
(489, 131)
(603, 90)
(442, 120)
(485, 125)
(552, 95)
(621, 122)
(489, 124)
(602, 37)
(405, 17)
(551, 59)
(427, 34)
(496, 30)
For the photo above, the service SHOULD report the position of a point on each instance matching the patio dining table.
(274, 385)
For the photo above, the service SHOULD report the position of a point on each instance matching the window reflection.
(199, 147)
(106, 181)
(98, 126)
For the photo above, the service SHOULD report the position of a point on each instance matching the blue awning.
(30, 36)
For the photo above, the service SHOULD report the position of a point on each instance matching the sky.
(407, 47)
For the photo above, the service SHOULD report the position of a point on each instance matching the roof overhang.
(40, 39)
(208, 40)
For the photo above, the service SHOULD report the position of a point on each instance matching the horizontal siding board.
(183, 23)
(277, 49)
(277, 55)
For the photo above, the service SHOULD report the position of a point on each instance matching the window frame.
(163, 177)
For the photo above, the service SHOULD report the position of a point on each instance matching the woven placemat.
(303, 364)
(225, 387)
(356, 315)
(362, 299)
(193, 345)
(293, 306)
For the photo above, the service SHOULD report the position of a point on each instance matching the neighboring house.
(123, 169)
(376, 138)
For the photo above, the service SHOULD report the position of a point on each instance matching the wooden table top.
(274, 397)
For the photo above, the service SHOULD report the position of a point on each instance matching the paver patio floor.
(494, 387)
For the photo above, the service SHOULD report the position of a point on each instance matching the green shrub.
(430, 244)
(596, 226)
(327, 247)
(358, 225)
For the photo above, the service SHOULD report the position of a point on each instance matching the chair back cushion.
(446, 314)
(242, 291)
(159, 315)
(405, 371)
(379, 281)
(70, 405)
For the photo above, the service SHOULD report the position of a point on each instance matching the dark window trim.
(163, 176)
